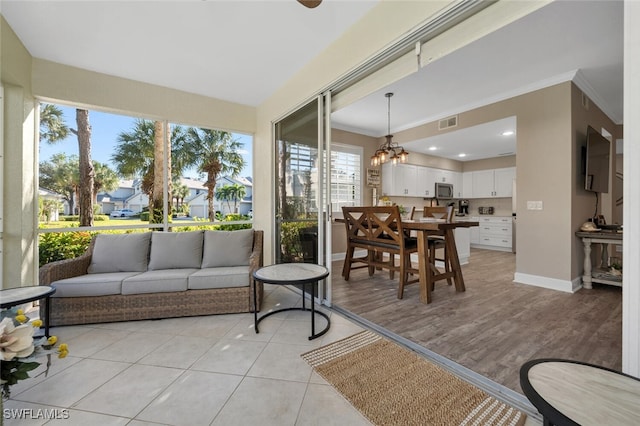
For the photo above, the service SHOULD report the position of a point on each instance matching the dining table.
(428, 273)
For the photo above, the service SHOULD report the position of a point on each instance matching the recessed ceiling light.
(433, 148)
(462, 154)
(507, 133)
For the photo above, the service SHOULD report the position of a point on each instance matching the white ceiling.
(236, 50)
(228, 50)
(566, 40)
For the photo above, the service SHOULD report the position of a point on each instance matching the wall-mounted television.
(597, 162)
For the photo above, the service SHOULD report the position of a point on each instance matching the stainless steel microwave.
(444, 191)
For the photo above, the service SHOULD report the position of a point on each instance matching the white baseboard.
(550, 283)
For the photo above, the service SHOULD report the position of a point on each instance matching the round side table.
(576, 393)
(17, 296)
(302, 274)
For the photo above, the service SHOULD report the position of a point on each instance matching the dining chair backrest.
(446, 211)
(379, 226)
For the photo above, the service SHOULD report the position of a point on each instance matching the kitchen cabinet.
(493, 183)
(426, 182)
(495, 233)
(408, 180)
(400, 180)
(467, 185)
(474, 231)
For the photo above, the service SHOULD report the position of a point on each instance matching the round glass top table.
(576, 393)
(302, 274)
(11, 297)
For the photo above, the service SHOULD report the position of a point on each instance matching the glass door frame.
(323, 189)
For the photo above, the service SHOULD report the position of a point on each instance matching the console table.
(589, 275)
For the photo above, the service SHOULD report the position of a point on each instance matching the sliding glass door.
(301, 189)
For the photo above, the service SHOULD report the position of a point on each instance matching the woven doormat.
(391, 385)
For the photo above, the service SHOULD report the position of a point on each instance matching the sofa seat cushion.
(92, 284)
(222, 277)
(120, 253)
(175, 250)
(160, 281)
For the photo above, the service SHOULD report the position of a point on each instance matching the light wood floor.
(495, 325)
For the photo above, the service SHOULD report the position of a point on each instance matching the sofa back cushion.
(120, 253)
(227, 248)
(175, 250)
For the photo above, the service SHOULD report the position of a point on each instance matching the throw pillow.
(120, 253)
(175, 250)
(227, 248)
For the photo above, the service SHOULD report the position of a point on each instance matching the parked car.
(122, 213)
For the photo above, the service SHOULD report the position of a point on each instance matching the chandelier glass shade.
(389, 150)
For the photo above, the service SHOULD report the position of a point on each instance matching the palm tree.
(224, 194)
(215, 153)
(105, 179)
(237, 193)
(180, 192)
(52, 127)
(136, 152)
(87, 174)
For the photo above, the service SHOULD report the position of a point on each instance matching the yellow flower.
(36, 323)
(21, 318)
(52, 340)
(63, 350)
(19, 312)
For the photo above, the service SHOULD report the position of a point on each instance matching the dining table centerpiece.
(19, 349)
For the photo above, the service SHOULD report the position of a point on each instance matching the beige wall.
(19, 196)
(56, 82)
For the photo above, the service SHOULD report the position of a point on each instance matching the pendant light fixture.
(389, 150)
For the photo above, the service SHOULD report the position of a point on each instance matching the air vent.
(449, 122)
(585, 101)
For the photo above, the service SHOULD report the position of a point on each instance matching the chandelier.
(389, 150)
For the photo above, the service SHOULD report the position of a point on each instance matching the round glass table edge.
(45, 291)
(555, 416)
(320, 273)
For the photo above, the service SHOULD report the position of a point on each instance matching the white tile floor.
(212, 370)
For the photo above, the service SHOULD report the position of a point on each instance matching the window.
(346, 183)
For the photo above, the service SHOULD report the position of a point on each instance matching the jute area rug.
(391, 385)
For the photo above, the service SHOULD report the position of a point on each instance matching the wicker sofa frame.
(114, 308)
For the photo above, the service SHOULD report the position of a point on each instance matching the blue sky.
(105, 129)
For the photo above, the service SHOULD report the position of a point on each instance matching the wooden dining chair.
(437, 242)
(379, 230)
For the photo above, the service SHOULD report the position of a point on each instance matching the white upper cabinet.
(503, 181)
(493, 183)
(467, 185)
(408, 180)
(483, 184)
(400, 180)
(426, 180)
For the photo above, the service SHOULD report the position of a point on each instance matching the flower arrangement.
(19, 349)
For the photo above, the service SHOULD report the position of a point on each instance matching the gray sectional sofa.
(153, 275)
